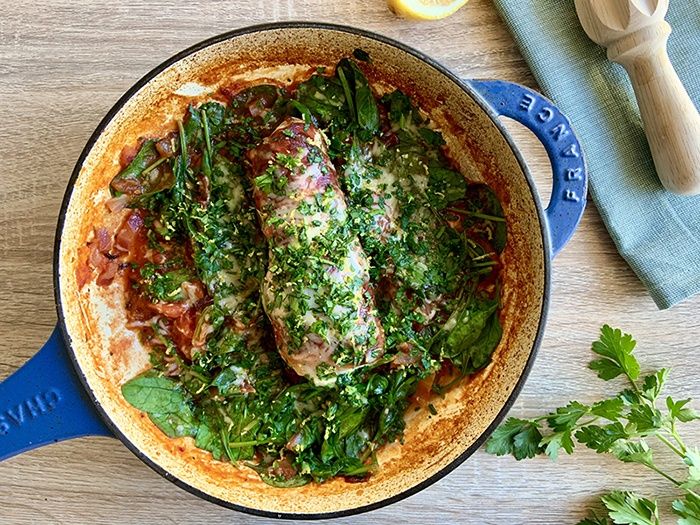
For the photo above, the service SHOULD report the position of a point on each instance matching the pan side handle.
(43, 402)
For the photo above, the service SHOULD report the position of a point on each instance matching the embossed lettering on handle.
(542, 114)
(43, 402)
(30, 408)
(554, 130)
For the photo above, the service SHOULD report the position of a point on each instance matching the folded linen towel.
(657, 233)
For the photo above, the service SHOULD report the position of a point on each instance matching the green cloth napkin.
(657, 233)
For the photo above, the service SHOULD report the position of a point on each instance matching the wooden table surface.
(64, 64)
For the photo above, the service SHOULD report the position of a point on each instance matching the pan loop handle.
(43, 402)
(554, 130)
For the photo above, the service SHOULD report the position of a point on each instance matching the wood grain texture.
(64, 64)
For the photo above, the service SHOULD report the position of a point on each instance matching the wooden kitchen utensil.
(635, 35)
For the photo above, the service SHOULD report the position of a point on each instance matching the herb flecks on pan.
(304, 264)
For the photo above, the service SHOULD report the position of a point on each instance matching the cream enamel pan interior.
(106, 354)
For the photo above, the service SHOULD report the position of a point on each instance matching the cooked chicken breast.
(316, 292)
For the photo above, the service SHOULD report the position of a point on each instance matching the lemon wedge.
(425, 9)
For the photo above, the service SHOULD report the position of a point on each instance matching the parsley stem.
(154, 165)
(254, 443)
(159, 335)
(477, 214)
(670, 445)
(183, 150)
(347, 92)
(662, 473)
(483, 264)
(483, 256)
(199, 376)
(634, 385)
(224, 442)
(579, 426)
(678, 438)
(672, 480)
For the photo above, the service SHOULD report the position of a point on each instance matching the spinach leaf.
(175, 424)
(367, 113)
(431, 137)
(410, 127)
(350, 420)
(230, 380)
(324, 97)
(392, 405)
(192, 126)
(345, 82)
(145, 175)
(151, 392)
(257, 111)
(216, 116)
(164, 402)
(492, 206)
(311, 433)
(305, 114)
(359, 96)
(481, 350)
(399, 107)
(462, 329)
(210, 440)
(361, 55)
(279, 482)
(267, 473)
(444, 186)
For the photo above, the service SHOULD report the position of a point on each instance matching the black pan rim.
(440, 69)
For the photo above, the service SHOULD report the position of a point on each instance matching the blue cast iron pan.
(49, 399)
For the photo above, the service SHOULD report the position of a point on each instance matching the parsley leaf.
(518, 437)
(678, 410)
(610, 409)
(688, 510)
(646, 418)
(653, 383)
(606, 368)
(635, 424)
(616, 349)
(629, 508)
(566, 417)
(633, 452)
(601, 438)
(557, 441)
(692, 460)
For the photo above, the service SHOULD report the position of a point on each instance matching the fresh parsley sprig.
(626, 425)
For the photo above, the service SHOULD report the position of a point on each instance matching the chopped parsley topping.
(372, 249)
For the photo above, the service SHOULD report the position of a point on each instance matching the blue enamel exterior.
(554, 130)
(43, 402)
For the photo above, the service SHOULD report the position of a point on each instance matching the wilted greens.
(194, 257)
